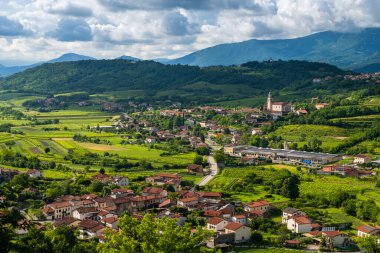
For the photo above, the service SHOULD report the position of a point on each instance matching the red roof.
(169, 175)
(153, 190)
(233, 226)
(212, 213)
(188, 199)
(57, 205)
(367, 229)
(302, 220)
(331, 233)
(215, 220)
(258, 203)
(167, 202)
(292, 242)
(110, 220)
(210, 194)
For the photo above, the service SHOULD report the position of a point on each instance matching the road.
(214, 171)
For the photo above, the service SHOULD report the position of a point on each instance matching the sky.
(37, 30)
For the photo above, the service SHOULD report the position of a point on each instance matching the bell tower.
(269, 102)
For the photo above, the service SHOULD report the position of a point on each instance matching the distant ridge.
(371, 68)
(128, 58)
(345, 50)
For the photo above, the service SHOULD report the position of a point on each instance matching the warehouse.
(312, 159)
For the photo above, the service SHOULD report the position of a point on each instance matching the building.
(321, 105)
(277, 108)
(58, 210)
(336, 239)
(257, 131)
(301, 224)
(84, 213)
(289, 212)
(366, 230)
(216, 224)
(154, 191)
(242, 233)
(362, 159)
(195, 169)
(6, 175)
(240, 218)
(260, 205)
(33, 173)
(188, 202)
(310, 159)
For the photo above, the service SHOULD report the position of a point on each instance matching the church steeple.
(269, 101)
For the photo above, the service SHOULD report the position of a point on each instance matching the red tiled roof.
(233, 226)
(240, 216)
(209, 194)
(110, 220)
(167, 202)
(185, 200)
(331, 233)
(258, 203)
(153, 190)
(212, 213)
(367, 229)
(57, 205)
(215, 220)
(302, 220)
(292, 242)
(169, 175)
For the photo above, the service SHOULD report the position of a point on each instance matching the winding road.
(214, 171)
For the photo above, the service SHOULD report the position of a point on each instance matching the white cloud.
(166, 28)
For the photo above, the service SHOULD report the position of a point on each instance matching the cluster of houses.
(6, 175)
(299, 223)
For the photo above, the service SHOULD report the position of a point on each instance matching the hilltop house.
(362, 159)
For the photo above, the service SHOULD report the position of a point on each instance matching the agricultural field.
(330, 136)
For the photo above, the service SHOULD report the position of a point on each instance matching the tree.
(102, 171)
(198, 159)
(47, 150)
(63, 239)
(153, 235)
(290, 188)
(256, 237)
(219, 156)
(369, 244)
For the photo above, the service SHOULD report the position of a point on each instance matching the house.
(150, 139)
(242, 233)
(366, 230)
(119, 181)
(187, 202)
(121, 192)
(57, 210)
(195, 169)
(89, 229)
(101, 178)
(216, 224)
(111, 222)
(260, 205)
(257, 131)
(289, 212)
(66, 221)
(154, 191)
(140, 202)
(209, 195)
(33, 173)
(336, 239)
(301, 224)
(240, 218)
(83, 213)
(301, 112)
(165, 179)
(321, 105)
(167, 203)
(6, 175)
(362, 159)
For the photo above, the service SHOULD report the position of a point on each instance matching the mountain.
(371, 68)
(184, 83)
(128, 58)
(345, 50)
(7, 71)
(71, 57)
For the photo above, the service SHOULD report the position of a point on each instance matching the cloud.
(11, 27)
(72, 29)
(121, 5)
(177, 24)
(69, 9)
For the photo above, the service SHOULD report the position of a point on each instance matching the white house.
(240, 218)
(257, 131)
(260, 205)
(216, 224)
(336, 239)
(289, 212)
(120, 181)
(366, 230)
(57, 210)
(242, 233)
(299, 224)
(361, 159)
(186, 202)
(33, 173)
(83, 213)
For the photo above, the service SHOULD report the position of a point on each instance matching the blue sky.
(36, 30)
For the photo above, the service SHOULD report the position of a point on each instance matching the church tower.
(269, 102)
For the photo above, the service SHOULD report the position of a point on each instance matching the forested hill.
(240, 81)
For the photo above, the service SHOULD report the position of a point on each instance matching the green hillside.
(182, 83)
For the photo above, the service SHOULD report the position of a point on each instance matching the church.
(277, 108)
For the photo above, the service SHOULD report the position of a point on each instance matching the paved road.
(214, 171)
